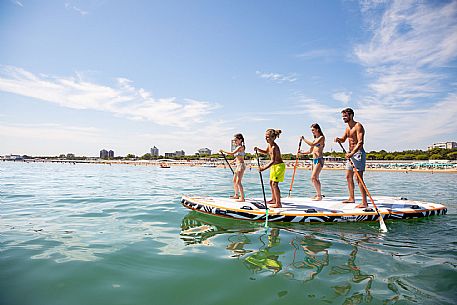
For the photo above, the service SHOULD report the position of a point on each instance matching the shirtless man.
(354, 133)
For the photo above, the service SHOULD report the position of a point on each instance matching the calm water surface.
(100, 234)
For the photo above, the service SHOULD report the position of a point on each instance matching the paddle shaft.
(228, 163)
(263, 189)
(381, 220)
(295, 168)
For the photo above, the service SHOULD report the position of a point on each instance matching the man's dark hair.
(348, 111)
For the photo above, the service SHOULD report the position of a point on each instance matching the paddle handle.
(295, 167)
(227, 163)
(263, 189)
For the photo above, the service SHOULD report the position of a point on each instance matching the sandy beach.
(399, 166)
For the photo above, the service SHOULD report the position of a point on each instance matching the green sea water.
(98, 234)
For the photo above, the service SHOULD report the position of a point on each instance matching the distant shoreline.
(371, 166)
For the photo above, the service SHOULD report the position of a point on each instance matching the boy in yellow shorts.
(278, 168)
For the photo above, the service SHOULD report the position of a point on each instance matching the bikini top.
(317, 145)
(240, 153)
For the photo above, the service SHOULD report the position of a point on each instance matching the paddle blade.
(382, 225)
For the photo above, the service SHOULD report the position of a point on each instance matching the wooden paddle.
(382, 225)
(263, 190)
(227, 163)
(295, 168)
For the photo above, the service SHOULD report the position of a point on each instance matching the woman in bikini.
(239, 154)
(317, 149)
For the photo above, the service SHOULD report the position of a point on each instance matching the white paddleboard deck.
(329, 209)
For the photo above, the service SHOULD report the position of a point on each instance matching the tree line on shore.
(420, 155)
(433, 154)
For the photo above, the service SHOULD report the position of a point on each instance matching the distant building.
(444, 145)
(204, 151)
(70, 156)
(14, 158)
(103, 154)
(178, 153)
(154, 152)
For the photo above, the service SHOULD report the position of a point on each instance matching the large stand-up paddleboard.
(330, 209)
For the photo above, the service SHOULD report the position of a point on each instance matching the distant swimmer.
(278, 168)
(354, 133)
(239, 154)
(317, 149)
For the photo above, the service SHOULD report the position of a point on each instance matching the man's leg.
(350, 180)
(362, 191)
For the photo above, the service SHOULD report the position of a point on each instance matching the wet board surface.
(329, 209)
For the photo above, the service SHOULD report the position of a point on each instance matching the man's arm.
(344, 137)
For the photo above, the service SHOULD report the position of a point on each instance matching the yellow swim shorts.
(277, 172)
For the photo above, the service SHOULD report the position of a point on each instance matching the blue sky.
(80, 76)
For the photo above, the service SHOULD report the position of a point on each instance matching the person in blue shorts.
(354, 133)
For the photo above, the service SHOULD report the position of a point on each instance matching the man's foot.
(234, 197)
(275, 206)
(362, 206)
(271, 201)
(317, 198)
(348, 201)
(240, 200)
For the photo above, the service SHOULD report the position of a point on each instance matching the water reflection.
(310, 256)
(266, 258)
(300, 255)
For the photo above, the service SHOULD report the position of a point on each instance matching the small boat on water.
(164, 165)
(329, 209)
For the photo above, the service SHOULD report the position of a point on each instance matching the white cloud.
(366, 5)
(214, 135)
(409, 43)
(342, 96)
(410, 128)
(277, 77)
(53, 132)
(122, 100)
(319, 53)
(69, 6)
(389, 128)
(47, 139)
(411, 102)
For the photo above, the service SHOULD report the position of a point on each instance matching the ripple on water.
(119, 234)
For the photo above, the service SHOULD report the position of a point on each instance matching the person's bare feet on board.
(348, 201)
